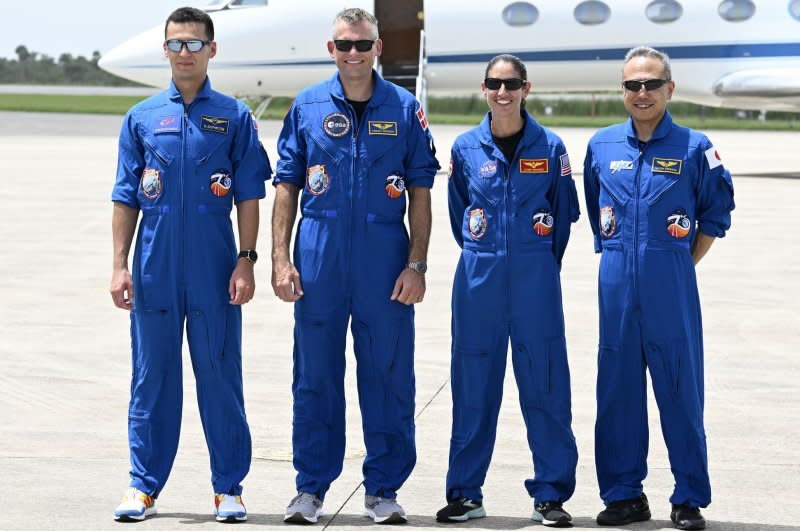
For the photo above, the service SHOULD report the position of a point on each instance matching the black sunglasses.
(649, 85)
(363, 45)
(193, 45)
(512, 83)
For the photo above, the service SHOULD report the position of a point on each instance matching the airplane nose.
(140, 59)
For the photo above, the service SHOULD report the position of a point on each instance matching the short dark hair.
(356, 15)
(513, 60)
(182, 15)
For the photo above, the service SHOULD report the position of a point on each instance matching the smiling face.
(187, 66)
(646, 107)
(353, 65)
(502, 102)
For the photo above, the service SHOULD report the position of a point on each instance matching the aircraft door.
(399, 24)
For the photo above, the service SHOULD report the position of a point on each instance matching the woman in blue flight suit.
(512, 200)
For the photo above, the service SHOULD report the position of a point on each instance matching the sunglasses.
(649, 85)
(512, 83)
(193, 45)
(364, 45)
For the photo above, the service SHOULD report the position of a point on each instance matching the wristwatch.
(250, 254)
(418, 266)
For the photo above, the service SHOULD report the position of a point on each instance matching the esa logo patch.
(214, 124)
(543, 222)
(395, 186)
(220, 183)
(488, 169)
(317, 179)
(382, 128)
(336, 124)
(534, 165)
(608, 221)
(151, 183)
(477, 223)
(666, 165)
(678, 224)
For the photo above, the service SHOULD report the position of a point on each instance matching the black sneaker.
(550, 513)
(461, 510)
(625, 512)
(685, 517)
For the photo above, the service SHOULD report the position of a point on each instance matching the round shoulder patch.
(336, 124)
(151, 183)
(543, 222)
(220, 182)
(678, 224)
(317, 179)
(477, 223)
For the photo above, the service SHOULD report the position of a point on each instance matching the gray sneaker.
(304, 508)
(384, 510)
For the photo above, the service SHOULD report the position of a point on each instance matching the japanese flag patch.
(713, 158)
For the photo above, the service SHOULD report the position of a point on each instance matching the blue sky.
(78, 27)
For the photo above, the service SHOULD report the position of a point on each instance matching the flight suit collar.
(380, 90)
(533, 130)
(204, 93)
(662, 129)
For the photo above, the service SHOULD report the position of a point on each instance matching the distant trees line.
(34, 68)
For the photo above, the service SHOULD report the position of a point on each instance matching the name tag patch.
(383, 128)
(534, 165)
(214, 124)
(666, 165)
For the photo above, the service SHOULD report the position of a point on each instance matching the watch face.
(419, 267)
(250, 255)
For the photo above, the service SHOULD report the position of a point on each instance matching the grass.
(277, 110)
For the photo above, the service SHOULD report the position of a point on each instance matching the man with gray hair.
(657, 195)
(356, 146)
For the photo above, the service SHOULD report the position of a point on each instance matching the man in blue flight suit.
(185, 156)
(657, 196)
(355, 145)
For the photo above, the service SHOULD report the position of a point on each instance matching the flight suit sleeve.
(292, 164)
(714, 194)
(591, 190)
(130, 164)
(420, 162)
(457, 196)
(564, 201)
(251, 165)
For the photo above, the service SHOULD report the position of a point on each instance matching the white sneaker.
(384, 510)
(304, 508)
(229, 508)
(135, 505)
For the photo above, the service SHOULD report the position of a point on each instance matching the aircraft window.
(736, 10)
(794, 9)
(592, 12)
(664, 11)
(520, 14)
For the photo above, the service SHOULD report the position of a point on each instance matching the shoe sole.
(693, 527)
(135, 517)
(478, 512)
(539, 517)
(639, 518)
(300, 518)
(394, 518)
(230, 518)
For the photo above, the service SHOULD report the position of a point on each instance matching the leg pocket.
(532, 371)
(471, 370)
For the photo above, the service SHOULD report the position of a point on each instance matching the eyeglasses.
(363, 45)
(193, 45)
(512, 83)
(649, 85)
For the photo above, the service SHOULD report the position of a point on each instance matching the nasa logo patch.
(543, 222)
(608, 221)
(395, 186)
(477, 223)
(151, 183)
(220, 182)
(336, 124)
(678, 224)
(317, 179)
(488, 169)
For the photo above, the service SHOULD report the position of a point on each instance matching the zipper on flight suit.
(640, 160)
(182, 218)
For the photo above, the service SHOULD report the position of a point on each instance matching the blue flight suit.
(350, 247)
(183, 167)
(512, 220)
(645, 204)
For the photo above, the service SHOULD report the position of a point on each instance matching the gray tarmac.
(65, 359)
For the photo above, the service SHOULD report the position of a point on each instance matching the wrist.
(248, 255)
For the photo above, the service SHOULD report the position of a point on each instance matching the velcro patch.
(214, 124)
(666, 165)
(534, 165)
(383, 128)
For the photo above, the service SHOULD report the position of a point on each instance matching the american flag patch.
(566, 169)
(421, 117)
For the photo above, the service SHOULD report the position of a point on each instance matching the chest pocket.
(481, 228)
(386, 181)
(671, 205)
(530, 209)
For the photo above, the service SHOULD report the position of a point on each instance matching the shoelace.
(303, 496)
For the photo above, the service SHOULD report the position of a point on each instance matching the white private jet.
(743, 54)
